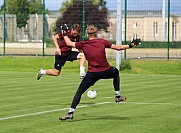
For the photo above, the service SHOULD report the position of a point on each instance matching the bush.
(125, 64)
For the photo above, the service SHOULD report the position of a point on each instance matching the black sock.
(70, 113)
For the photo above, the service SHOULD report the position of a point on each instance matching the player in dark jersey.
(64, 53)
(98, 66)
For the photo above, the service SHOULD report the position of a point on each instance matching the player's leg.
(116, 84)
(59, 62)
(82, 64)
(113, 73)
(88, 81)
(50, 72)
(74, 55)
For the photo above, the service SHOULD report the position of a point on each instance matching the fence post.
(119, 32)
(4, 33)
(83, 19)
(168, 30)
(43, 16)
(125, 17)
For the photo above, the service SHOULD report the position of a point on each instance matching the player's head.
(91, 31)
(75, 30)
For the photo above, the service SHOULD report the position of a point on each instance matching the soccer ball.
(91, 94)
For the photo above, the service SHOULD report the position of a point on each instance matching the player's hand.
(135, 42)
(64, 29)
(58, 51)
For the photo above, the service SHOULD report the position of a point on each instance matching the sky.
(131, 4)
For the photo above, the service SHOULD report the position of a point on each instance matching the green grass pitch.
(29, 106)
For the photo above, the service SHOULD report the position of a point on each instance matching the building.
(147, 24)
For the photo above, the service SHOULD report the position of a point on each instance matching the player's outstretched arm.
(134, 42)
(69, 42)
(119, 47)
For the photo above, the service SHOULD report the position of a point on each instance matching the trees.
(22, 9)
(35, 7)
(72, 13)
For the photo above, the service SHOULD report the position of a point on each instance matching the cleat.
(38, 75)
(119, 99)
(67, 116)
(82, 75)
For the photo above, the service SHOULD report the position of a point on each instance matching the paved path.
(130, 53)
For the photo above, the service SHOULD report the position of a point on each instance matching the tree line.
(71, 12)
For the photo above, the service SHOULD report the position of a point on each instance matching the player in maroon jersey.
(98, 66)
(64, 53)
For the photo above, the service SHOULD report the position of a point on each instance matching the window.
(174, 26)
(166, 29)
(34, 25)
(110, 24)
(155, 29)
(1, 24)
(135, 25)
(135, 35)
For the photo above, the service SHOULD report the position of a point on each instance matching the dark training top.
(65, 50)
(94, 51)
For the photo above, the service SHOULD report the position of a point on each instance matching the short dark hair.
(76, 27)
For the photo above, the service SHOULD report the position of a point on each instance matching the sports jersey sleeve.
(107, 44)
(60, 35)
(78, 45)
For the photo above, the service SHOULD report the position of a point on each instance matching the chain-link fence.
(156, 22)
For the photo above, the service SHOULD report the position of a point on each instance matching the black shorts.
(61, 59)
(92, 77)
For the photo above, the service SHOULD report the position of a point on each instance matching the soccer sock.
(117, 93)
(82, 69)
(71, 110)
(43, 72)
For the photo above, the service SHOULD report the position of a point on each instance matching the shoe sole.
(37, 75)
(122, 99)
(63, 119)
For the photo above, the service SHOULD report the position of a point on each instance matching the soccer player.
(98, 66)
(64, 53)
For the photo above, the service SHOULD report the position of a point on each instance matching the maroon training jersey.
(94, 51)
(65, 50)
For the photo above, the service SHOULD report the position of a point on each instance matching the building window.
(34, 25)
(1, 25)
(35, 31)
(174, 26)
(135, 25)
(135, 35)
(166, 29)
(155, 29)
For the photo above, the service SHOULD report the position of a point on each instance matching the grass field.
(30, 106)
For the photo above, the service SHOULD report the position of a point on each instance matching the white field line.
(49, 111)
(83, 106)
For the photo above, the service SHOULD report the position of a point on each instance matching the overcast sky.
(131, 4)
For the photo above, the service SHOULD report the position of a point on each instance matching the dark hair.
(76, 27)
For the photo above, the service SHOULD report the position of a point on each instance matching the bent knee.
(80, 56)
